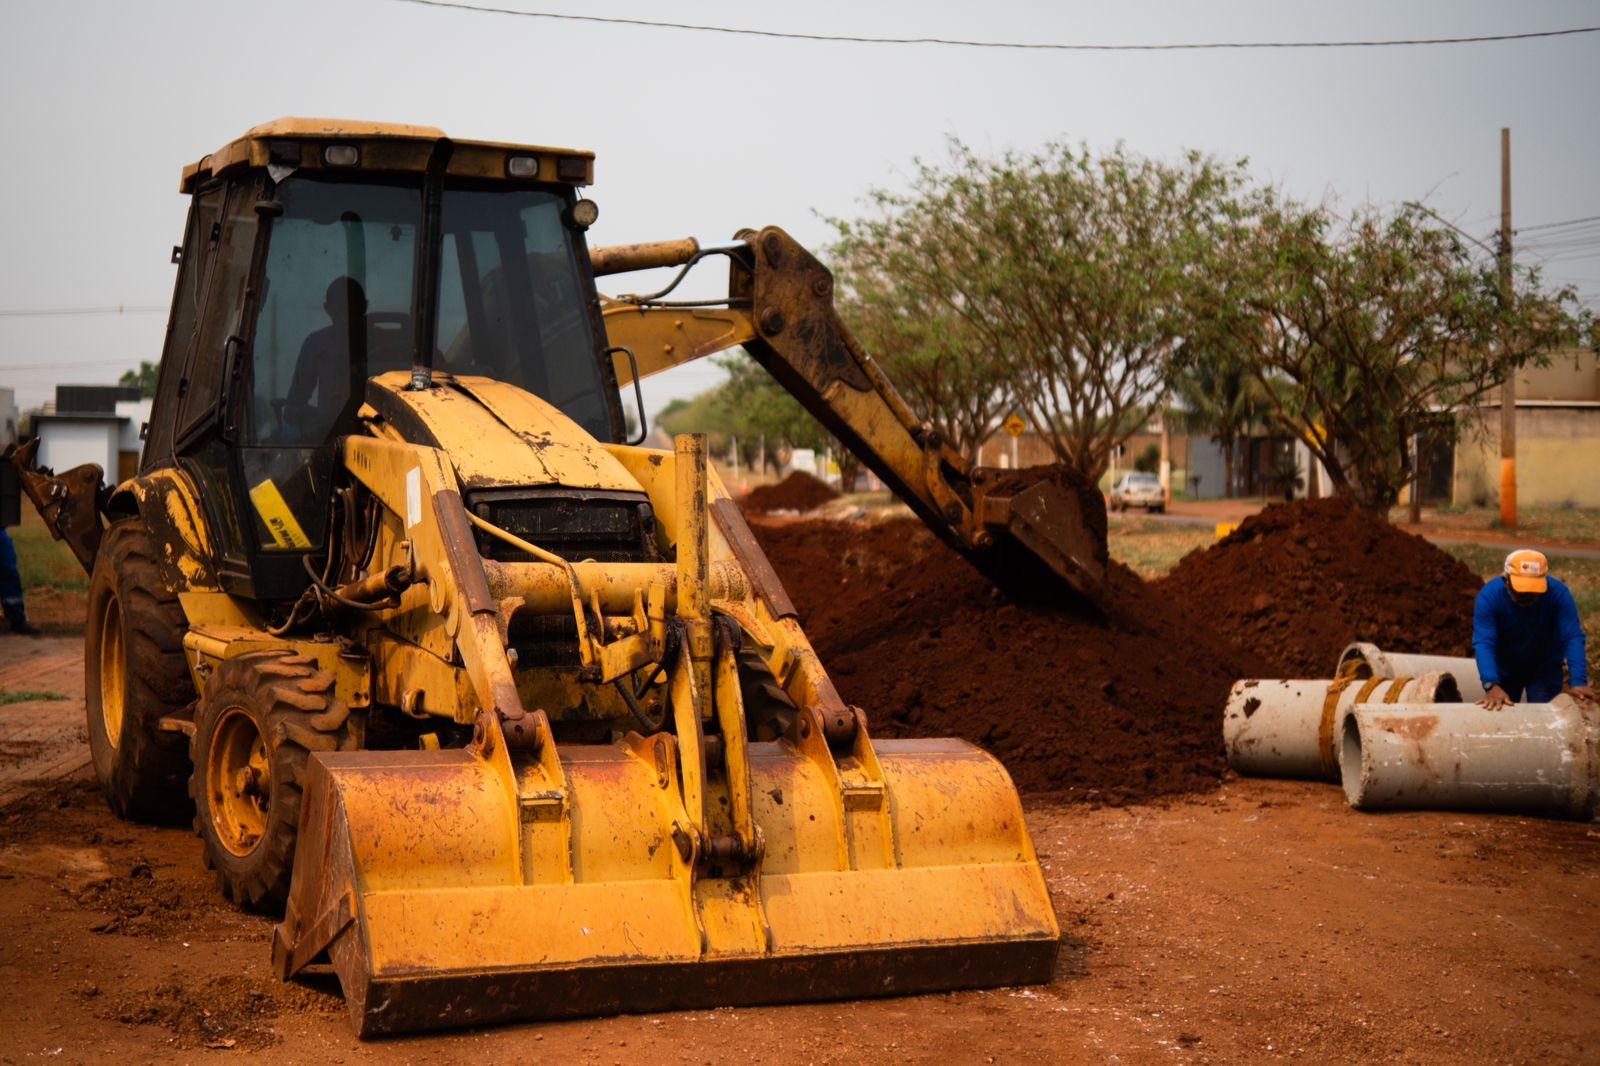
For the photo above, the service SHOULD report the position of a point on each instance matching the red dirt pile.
(1299, 581)
(1115, 709)
(797, 492)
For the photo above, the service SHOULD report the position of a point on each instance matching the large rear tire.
(262, 716)
(134, 675)
(768, 710)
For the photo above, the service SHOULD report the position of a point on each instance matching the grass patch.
(1151, 548)
(1582, 576)
(1572, 524)
(44, 561)
(29, 696)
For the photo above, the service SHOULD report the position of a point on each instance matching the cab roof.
(382, 146)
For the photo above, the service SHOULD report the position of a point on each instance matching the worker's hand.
(1495, 699)
(1582, 692)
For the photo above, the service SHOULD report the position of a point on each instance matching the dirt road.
(1262, 920)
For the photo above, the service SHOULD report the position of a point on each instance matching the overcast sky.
(701, 134)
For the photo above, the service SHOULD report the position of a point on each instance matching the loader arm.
(781, 309)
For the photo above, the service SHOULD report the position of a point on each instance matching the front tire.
(262, 716)
(135, 675)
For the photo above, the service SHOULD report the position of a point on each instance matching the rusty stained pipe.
(622, 258)
(1289, 728)
(1381, 663)
(1538, 758)
(545, 589)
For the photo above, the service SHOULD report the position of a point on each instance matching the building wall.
(137, 413)
(64, 445)
(1558, 457)
(1573, 374)
(10, 417)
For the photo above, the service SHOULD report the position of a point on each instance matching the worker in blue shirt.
(1525, 627)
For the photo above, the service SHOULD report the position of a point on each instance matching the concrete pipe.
(1370, 661)
(1539, 758)
(1289, 728)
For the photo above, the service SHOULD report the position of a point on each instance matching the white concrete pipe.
(1378, 663)
(1290, 728)
(1539, 758)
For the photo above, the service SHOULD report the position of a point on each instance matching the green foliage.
(1062, 275)
(748, 406)
(1361, 331)
(143, 379)
(1215, 393)
(947, 373)
(1149, 460)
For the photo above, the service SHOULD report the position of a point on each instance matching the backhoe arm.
(781, 309)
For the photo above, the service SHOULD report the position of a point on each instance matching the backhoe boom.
(780, 309)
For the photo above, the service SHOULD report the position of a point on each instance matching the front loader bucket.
(443, 896)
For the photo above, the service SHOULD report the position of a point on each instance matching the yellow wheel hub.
(113, 672)
(238, 782)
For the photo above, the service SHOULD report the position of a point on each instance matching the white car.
(1138, 490)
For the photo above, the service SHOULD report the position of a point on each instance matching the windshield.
(512, 304)
(1143, 479)
(336, 306)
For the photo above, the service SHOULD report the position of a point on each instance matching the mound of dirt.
(1113, 708)
(797, 492)
(1299, 581)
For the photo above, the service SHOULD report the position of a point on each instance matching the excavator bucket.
(447, 891)
(1042, 522)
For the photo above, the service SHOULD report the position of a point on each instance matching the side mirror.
(638, 392)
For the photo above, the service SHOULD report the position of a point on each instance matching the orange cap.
(1527, 571)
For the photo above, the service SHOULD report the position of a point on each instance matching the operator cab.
(321, 254)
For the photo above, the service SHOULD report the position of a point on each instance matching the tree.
(751, 405)
(1366, 330)
(1073, 269)
(143, 379)
(947, 373)
(1217, 395)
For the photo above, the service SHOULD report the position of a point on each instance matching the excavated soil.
(1115, 708)
(797, 492)
(1299, 581)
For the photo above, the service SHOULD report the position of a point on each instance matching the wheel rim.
(239, 782)
(113, 672)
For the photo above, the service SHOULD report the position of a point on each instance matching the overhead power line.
(1555, 225)
(75, 312)
(745, 31)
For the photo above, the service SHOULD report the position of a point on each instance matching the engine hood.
(496, 435)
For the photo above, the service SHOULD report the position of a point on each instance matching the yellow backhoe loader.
(509, 715)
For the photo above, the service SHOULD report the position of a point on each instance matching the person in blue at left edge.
(1525, 629)
(11, 588)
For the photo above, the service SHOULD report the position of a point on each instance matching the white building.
(97, 424)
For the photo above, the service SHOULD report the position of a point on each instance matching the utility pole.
(1166, 460)
(1508, 390)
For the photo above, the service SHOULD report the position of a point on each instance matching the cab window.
(335, 307)
(512, 304)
